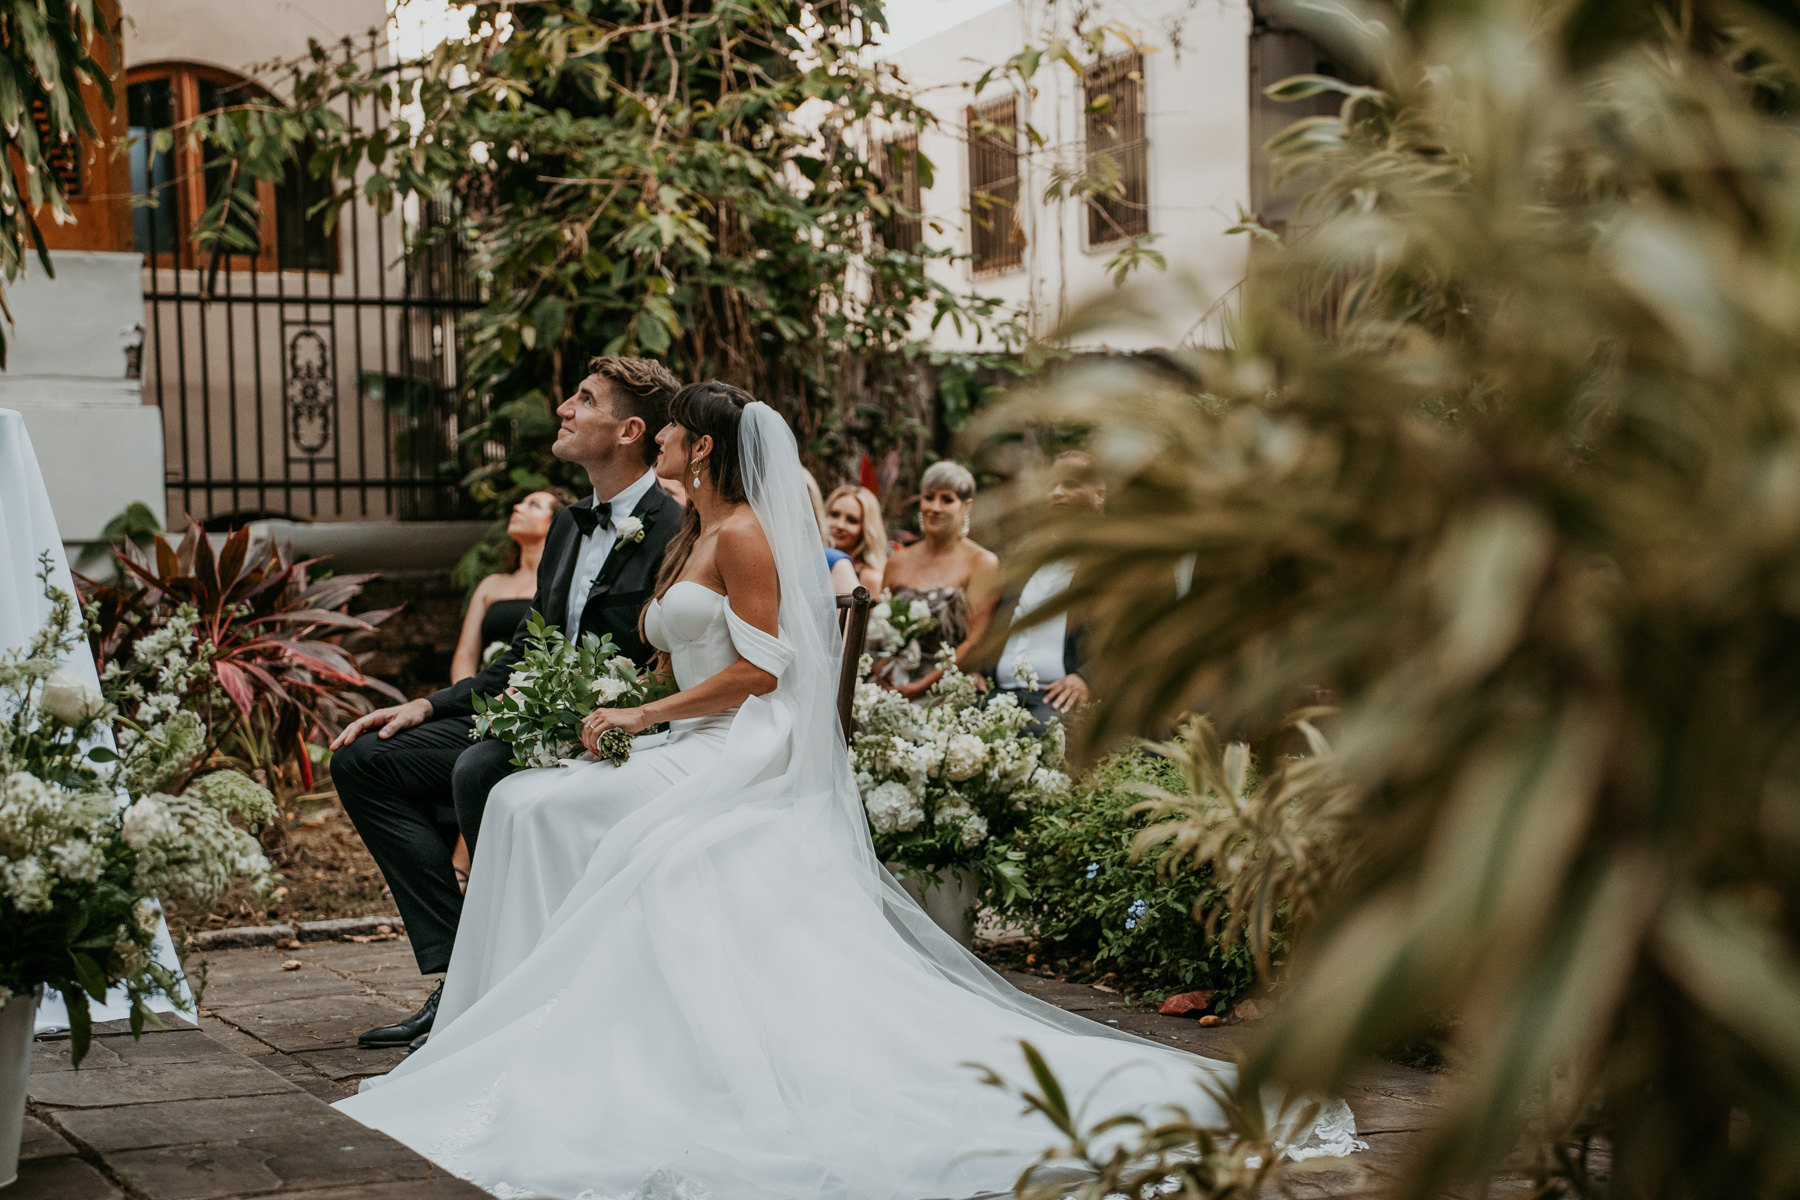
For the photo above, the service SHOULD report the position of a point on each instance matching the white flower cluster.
(48, 834)
(186, 847)
(953, 769)
(78, 874)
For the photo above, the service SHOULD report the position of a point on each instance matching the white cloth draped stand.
(27, 530)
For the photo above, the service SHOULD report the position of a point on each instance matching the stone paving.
(238, 1107)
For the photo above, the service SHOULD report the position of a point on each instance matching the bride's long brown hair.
(711, 409)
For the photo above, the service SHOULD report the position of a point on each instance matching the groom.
(399, 769)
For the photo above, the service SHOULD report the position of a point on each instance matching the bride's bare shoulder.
(741, 538)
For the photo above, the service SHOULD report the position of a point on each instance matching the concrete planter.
(948, 898)
(18, 1021)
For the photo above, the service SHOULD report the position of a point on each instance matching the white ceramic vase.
(947, 896)
(18, 1020)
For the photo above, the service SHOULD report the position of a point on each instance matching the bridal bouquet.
(555, 685)
(92, 838)
(949, 783)
(895, 628)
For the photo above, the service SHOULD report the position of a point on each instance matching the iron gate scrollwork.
(311, 394)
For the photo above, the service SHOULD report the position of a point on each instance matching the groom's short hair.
(641, 388)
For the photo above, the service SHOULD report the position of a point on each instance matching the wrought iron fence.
(318, 377)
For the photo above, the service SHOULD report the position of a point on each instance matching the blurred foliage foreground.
(1506, 455)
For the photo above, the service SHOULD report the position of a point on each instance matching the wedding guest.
(503, 599)
(957, 578)
(1051, 649)
(500, 605)
(397, 768)
(853, 521)
(843, 575)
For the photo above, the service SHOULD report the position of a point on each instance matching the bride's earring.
(965, 524)
(694, 470)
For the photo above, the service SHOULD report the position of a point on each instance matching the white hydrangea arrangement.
(947, 783)
(555, 685)
(895, 628)
(91, 838)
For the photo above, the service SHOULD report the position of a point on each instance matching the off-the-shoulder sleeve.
(764, 650)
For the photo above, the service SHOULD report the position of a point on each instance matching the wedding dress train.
(688, 977)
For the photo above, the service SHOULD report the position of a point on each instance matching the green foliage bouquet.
(555, 685)
(81, 876)
(948, 783)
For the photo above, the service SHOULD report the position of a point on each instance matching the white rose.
(608, 689)
(520, 679)
(145, 912)
(77, 860)
(919, 610)
(881, 612)
(964, 757)
(146, 823)
(70, 698)
(624, 666)
(893, 808)
(629, 529)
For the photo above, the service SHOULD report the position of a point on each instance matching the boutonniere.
(629, 529)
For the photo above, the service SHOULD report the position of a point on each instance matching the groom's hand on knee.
(391, 720)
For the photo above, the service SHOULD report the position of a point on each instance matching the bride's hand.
(631, 720)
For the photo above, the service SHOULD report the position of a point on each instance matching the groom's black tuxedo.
(613, 603)
(408, 794)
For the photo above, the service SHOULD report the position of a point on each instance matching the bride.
(688, 977)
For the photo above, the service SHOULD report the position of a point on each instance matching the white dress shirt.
(596, 546)
(1041, 645)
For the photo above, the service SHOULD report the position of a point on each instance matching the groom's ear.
(631, 431)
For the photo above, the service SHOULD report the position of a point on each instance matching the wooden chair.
(854, 611)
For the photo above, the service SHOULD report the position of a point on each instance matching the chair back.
(854, 609)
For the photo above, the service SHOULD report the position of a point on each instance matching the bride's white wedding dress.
(688, 977)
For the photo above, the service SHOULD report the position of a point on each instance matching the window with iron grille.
(182, 181)
(1117, 150)
(897, 167)
(995, 239)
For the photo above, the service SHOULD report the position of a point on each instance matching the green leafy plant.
(1499, 455)
(1098, 905)
(1144, 1158)
(272, 635)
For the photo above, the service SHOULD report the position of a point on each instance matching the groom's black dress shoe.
(402, 1033)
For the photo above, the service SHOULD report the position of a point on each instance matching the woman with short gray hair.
(959, 579)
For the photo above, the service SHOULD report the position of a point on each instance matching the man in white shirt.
(1049, 649)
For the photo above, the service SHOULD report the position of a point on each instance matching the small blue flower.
(1093, 870)
(1130, 924)
(1136, 912)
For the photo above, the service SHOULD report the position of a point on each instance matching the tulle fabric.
(733, 999)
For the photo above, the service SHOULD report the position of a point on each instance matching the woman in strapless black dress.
(501, 603)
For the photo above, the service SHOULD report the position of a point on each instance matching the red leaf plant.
(275, 635)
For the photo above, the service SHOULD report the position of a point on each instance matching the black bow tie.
(589, 519)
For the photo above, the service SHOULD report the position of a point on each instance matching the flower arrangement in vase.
(947, 783)
(94, 837)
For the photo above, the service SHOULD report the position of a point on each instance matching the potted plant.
(93, 836)
(945, 786)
